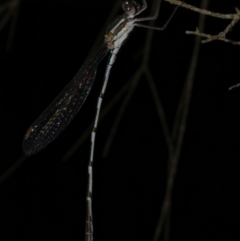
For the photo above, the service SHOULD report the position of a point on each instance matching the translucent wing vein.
(63, 109)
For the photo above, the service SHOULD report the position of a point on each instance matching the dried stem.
(234, 17)
(180, 122)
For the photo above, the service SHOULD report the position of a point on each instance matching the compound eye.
(129, 8)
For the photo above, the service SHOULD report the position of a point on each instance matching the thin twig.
(210, 38)
(160, 110)
(12, 26)
(175, 155)
(203, 11)
(9, 10)
(235, 17)
(221, 36)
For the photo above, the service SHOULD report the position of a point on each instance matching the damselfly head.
(130, 7)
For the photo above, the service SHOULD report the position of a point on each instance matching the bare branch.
(210, 37)
(235, 17)
(204, 11)
(178, 135)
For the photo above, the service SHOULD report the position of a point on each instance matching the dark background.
(44, 198)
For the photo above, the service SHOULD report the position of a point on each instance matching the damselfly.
(63, 109)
